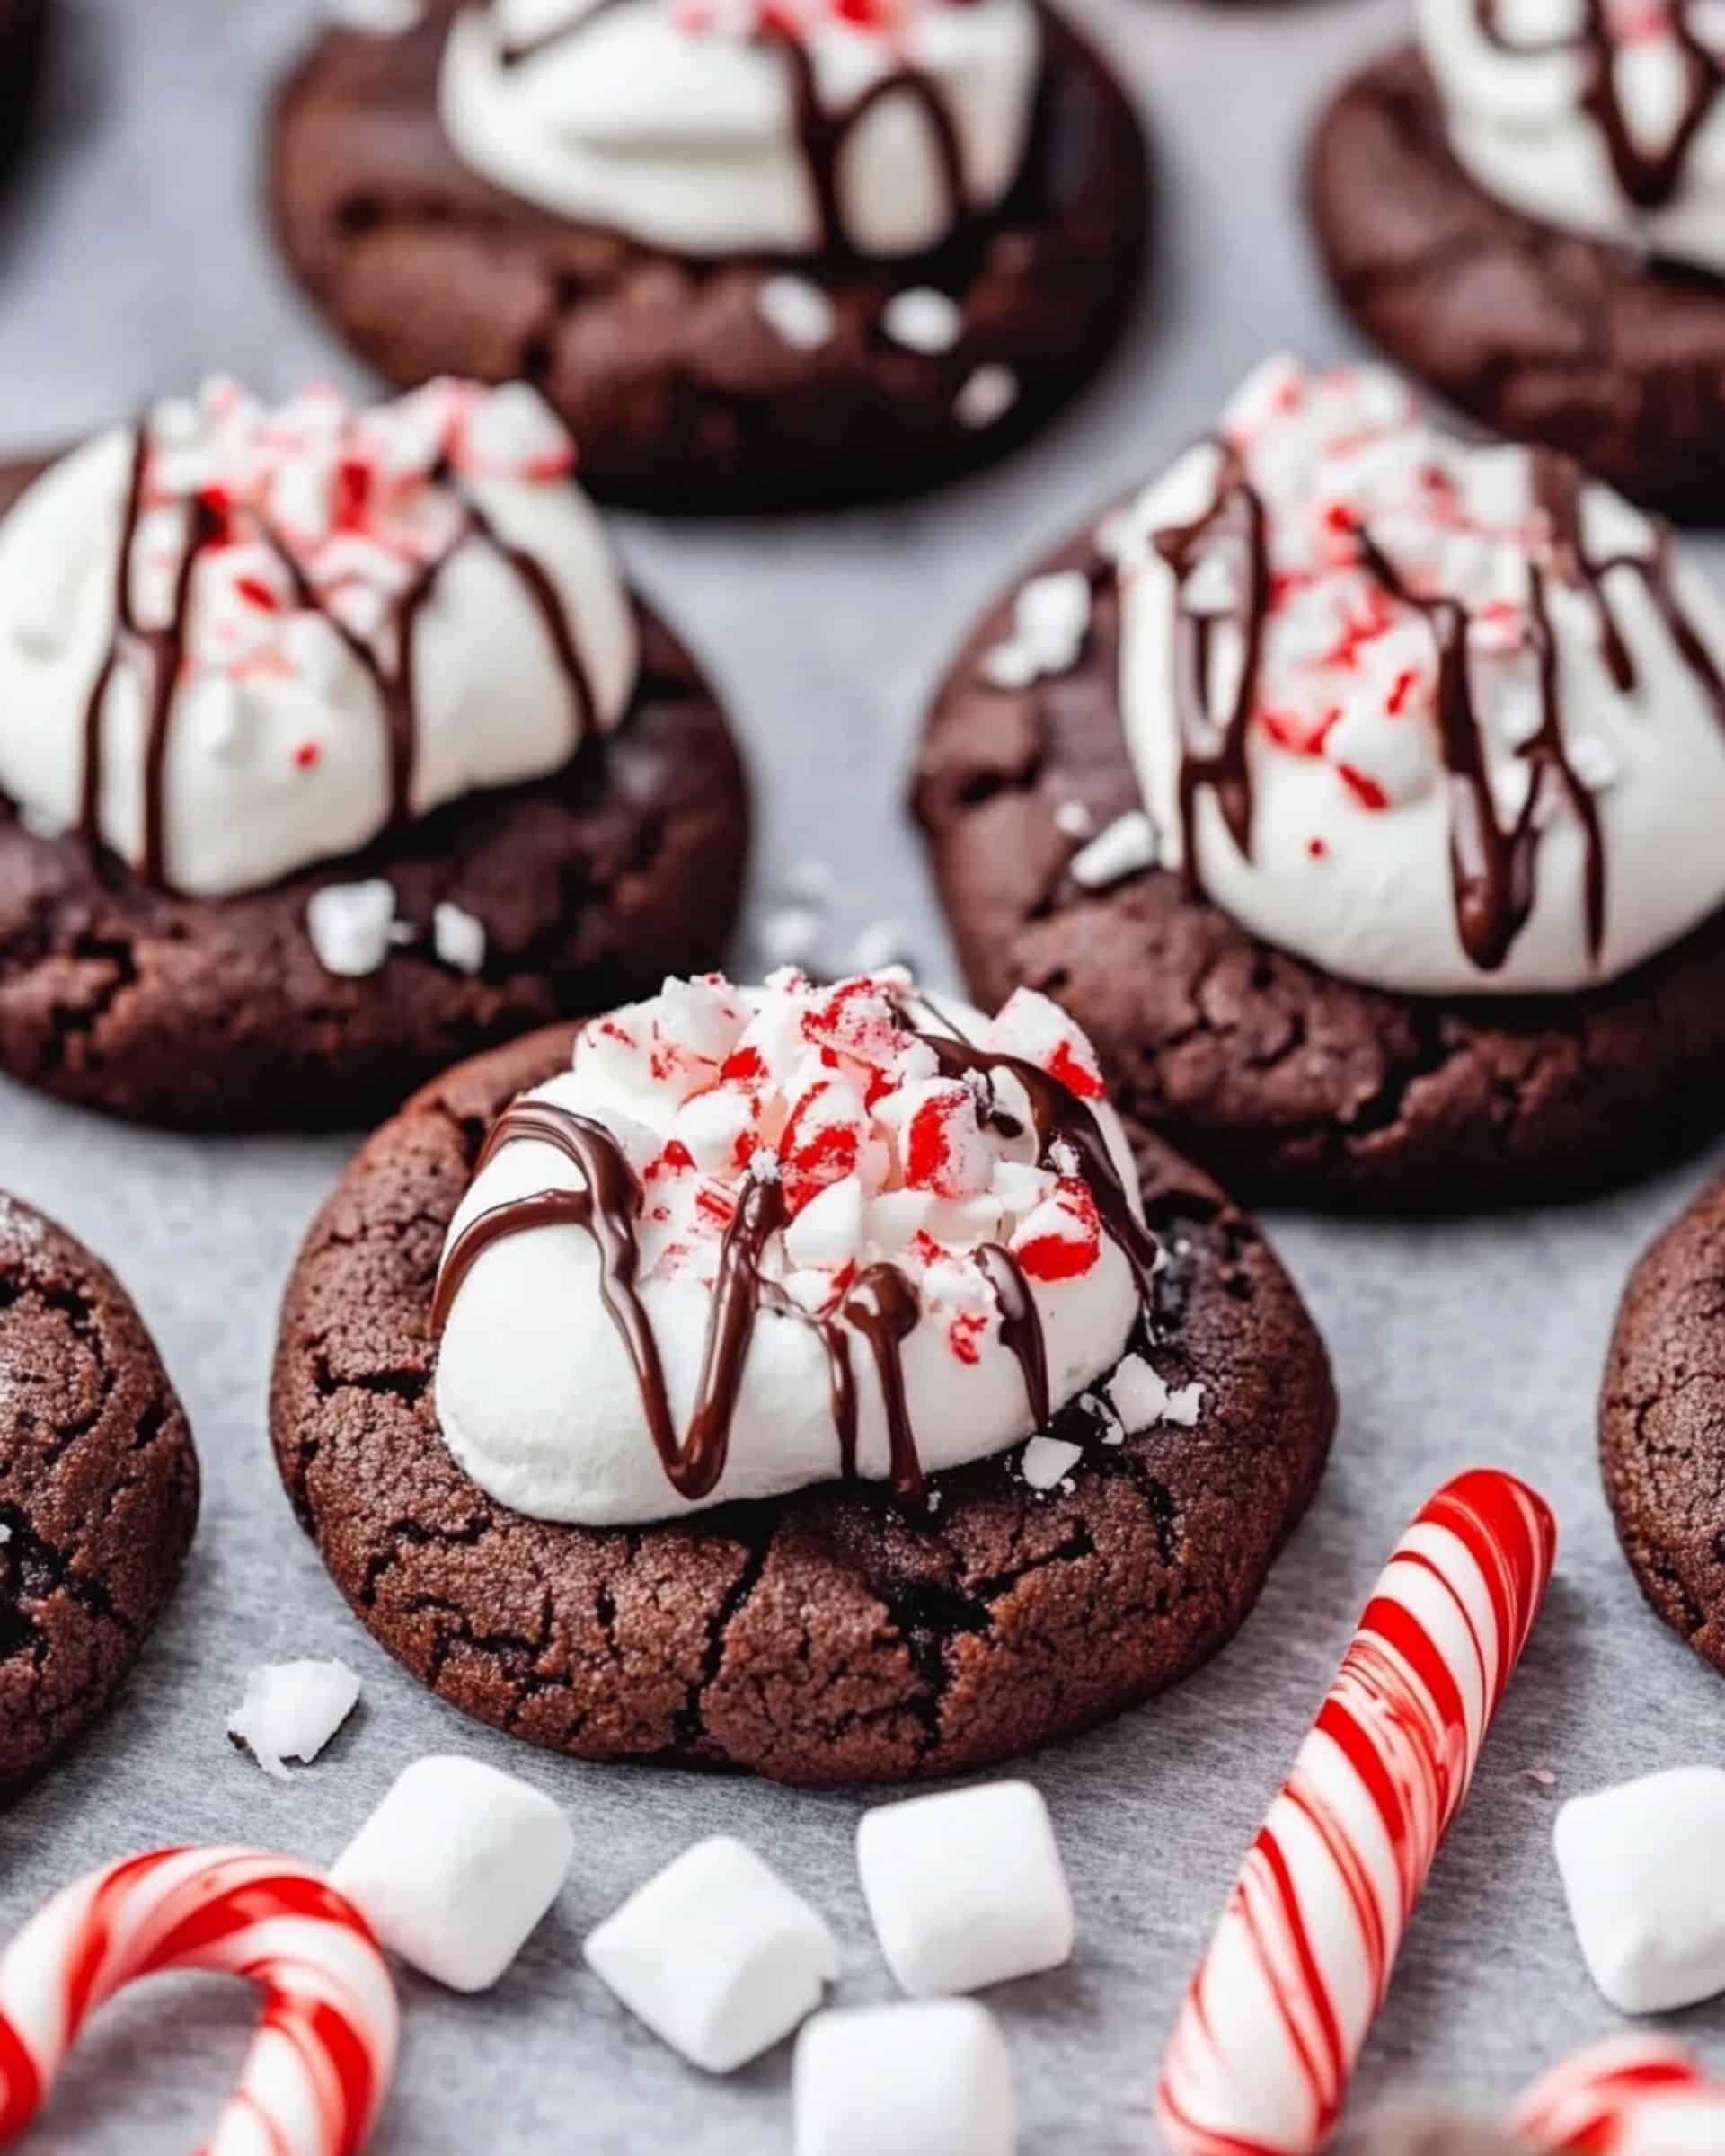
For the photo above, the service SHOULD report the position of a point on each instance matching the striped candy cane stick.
(1632, 2096)
(320, 2065)
(1275, 2018)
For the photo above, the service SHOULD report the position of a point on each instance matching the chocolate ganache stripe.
(1650, 177)
(823, 134)
(1493, 864)
(881, 1304)
(163, 650)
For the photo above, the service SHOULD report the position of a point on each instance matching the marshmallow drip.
(1604, 117)
(871, 127)
(783, 1234)
(237, 641)
(1438, 717)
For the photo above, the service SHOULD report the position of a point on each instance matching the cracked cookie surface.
(98, 1490)
(1545, 335)
(820, 1638)
(1283, 1080)
(591, 886)
(680, 394)
(1662, 1426)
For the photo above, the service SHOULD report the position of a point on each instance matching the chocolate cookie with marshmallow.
(814, 1381)
(1524, 207)
(337, 746)
(1353, 785)
(760, 253)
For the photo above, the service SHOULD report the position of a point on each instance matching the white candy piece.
(922, 319)
(1126, 848)
(987, 398)
(966, 1888)
(291, 1710)
(458, 938)
(1048, 1461)
(455, 1868)
(799, 313)
(1641, 1866)
(933, 2078)
(716, 1955)
(350, 926)
(1142, 1397)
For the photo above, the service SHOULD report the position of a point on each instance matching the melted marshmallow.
(881, 1159)
(1349, 858)
(1523, 124)
(321, 522)
(676, 122)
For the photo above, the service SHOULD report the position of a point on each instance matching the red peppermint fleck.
(674, 1158)
(612, 1030)
(306, 756)
(351, 494)
(964, 1337)
(744, 1066)
(1068, 1255)
(923, 1246)
(1339, 518)
(1317, 848)
(716, 1203)
(1406, 682)
(1365, 789)
(256, 593)
(1066, 1067)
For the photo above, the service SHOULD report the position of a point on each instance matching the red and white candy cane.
(1630, 2096)
(319, 2068)
(1273, 2025)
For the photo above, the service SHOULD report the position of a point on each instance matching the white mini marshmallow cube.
(929, 2079)
(716, 1955)
(455, 1868)
(966, 1888)
(1644, 1867)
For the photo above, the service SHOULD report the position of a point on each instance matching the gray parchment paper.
(133, 261)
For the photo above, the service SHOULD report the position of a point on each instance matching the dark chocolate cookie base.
(215, 1014)
(823, 1637)
(23, 44)
(1662, 1426)
(1284, 1081)
(98, 1491)
(680, 394)
(1543, 335)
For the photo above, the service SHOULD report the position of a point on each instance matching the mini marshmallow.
(1646, 1889)
(455, 1869)
(799, 313)
(349, 924)
(1127, 847)
(928, 2080)
(716, 1955)
(966, 1888)
(291, 1710)
(458, 938)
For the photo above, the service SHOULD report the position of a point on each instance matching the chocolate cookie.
(825, 1636)
(1662, 1426)
(1543, 335)
(682, 393)
(590, 886)
(1283, 1080)
(98, 1491)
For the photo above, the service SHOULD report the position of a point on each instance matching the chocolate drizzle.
(161, 652)
(824, 133)
(1493, 856)
(1650, 179)
(881, 1304)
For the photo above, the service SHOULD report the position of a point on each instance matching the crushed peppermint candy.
(1127, 847)
(458, 938)
(799, 313)
(291, 1710)
(987, 398)
(1051, 622)
(922, 319)
(1143, 1399)
(1047, 1461)
(880, 1157)
(351, 926)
